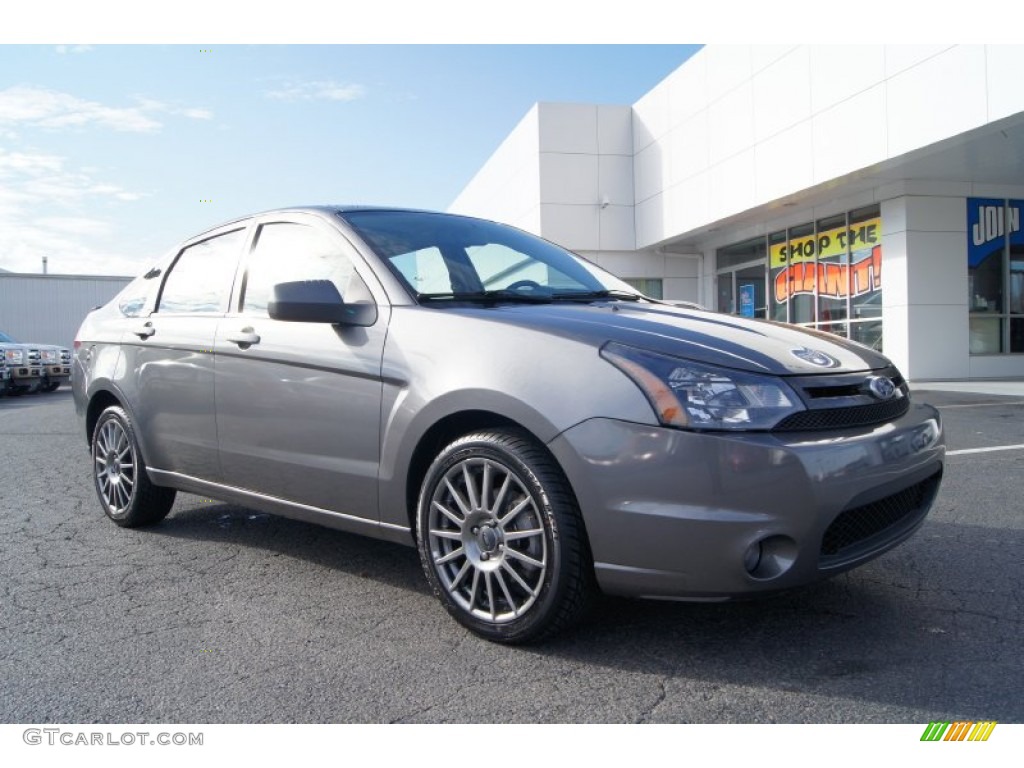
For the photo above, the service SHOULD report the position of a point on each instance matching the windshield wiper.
(487, 296)
(609, 293)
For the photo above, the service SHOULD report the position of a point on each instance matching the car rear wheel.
(119, 474)
(501, 538)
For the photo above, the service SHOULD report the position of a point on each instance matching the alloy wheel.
(487, 540)
(115, 467)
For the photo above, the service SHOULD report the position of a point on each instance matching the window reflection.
(201, 278)
(285, 252)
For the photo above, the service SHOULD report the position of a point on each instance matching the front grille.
(885, 516)
(851, 416)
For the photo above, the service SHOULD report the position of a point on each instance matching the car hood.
(758, 346)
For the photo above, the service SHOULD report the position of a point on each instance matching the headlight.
(695, 395)
(15, 356)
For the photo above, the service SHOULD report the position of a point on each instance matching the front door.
(298, 404)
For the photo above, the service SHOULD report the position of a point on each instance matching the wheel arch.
(98, 403)
(448, 429)
(436, 437)
(102, 396)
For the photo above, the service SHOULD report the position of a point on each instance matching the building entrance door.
(742, 289)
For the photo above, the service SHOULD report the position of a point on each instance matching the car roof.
(321, 209)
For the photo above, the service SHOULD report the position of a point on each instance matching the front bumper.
(710, 516)
(28, 377)
(57, 374)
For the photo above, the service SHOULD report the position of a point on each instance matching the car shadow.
(933, 625)
(386, 562)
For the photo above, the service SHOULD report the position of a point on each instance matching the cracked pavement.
(223, 614)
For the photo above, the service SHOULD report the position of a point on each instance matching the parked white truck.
(33, 367)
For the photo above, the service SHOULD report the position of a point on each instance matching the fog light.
(770, 557)
(752, 558)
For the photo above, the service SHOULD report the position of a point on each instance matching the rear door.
(298, 404)
(169, 356)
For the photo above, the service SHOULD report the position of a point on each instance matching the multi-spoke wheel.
(501, 539)
(119, 474)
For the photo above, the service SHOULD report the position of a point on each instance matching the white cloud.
(12, 163)
(43, 108)
(318, 90)
(62, 49)
(73, 225)
(52, 109)
(44, 211)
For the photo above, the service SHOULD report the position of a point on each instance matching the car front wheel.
(501, 538)
(119, 474)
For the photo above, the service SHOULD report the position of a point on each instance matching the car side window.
(285, 252)
(132, 298)
(200, 280)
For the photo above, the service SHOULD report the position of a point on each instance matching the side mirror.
(317, 301)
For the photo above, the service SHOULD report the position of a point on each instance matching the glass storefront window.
(868, 333)
(825, 274)
(833, 271)
(778, 286)
(725, 297)
(648, 286)
(986, 335)
(995, 275)
(802, 276)
(1016, 237)
(741, 253)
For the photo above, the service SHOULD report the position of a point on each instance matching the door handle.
(145, 330)
(244, 338)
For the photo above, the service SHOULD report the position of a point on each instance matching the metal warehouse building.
(870, 191)
(47, 309)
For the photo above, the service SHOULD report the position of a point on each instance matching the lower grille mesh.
(856, 525)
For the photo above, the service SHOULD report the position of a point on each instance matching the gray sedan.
(537, 428)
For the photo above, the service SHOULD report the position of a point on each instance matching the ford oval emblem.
(881, 387)
(814, 357)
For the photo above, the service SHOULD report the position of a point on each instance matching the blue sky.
(108, 153)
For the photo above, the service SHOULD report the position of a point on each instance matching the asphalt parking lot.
(222, 614)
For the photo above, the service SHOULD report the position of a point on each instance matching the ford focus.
(539, 430)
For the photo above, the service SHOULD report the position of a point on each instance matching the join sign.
(989, 221)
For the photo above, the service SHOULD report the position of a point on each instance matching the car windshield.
(5, 338)
(443, 257)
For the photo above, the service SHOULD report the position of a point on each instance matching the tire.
(119, 474)
(501, 539)
(53, 386)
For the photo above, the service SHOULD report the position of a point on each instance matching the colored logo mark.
(958, 731)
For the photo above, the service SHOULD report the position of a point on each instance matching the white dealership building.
(870, 191)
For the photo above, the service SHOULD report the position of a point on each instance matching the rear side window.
(201, 278)
(132, 299)
(286, 252)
